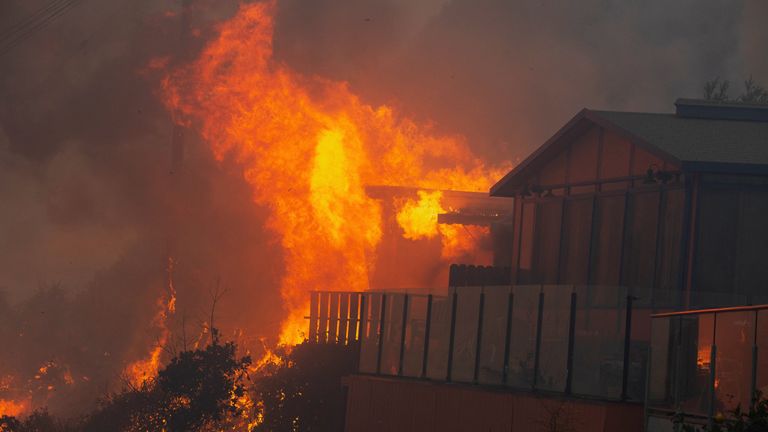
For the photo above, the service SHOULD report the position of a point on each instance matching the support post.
(427, 328)
(627, 347)
(479, 338)
(402, 336)
(454, 300)
(537, 356)
(380, 336)
(507, 341)
(571, 342)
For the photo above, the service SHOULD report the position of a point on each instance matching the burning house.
(618, 218)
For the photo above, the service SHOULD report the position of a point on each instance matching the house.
(619, 220)
(660, 203)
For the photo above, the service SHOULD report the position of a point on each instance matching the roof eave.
(504, 187)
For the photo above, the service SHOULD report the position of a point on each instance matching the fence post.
(322, 331)
(479, 339)
(571, 342)
(507, 339)
(427, 328)
(362, 318)
(380, 338)
(537, 357)
(402, 335)
(627, 347)
(313, 305)
(343, 317)
(454, 300)
(753, 386)
(712, 374)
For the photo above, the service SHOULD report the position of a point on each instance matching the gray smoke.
(91, 205)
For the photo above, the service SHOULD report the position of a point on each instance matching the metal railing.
(706, 362)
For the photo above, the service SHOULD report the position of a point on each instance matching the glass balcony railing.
(705, 363)
(591, 341)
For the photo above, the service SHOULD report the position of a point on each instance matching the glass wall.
(465, 333)
(491, 362)
(707, 363)
(439, 338)
(522, 343)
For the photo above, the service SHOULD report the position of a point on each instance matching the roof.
(694, 139)
(695, 144)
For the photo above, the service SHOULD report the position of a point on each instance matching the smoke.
(91, 203)
(508, 74)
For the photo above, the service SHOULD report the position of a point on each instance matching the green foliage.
(197, 388)
(755, 419)
(717, 90)
(303, 392)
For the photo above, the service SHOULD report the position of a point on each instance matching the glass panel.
(555, 326)
(640, 243)
(753, 242)
(694, 360)
(491, 362)
(525, 258)
(439, 335)
(606, 245)
(369, 349)
(659, 386)
(393, 331)
(671, 237)
(547, 243)
(465, 340)
(522, 345)
(762, 352)
(414, 336)
(734, 338)
(716, 245)
(598, 351)
(639, 340)
(576, 237)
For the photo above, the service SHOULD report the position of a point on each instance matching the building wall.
(377, 404)
(732, 237)
(587, 223)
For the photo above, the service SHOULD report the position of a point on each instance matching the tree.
(302, 390)
(717, 90)
(196, 390)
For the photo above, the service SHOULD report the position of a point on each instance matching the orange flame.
(13, 408)
(143, 370)
(309, 147)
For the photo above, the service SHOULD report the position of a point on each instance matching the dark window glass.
(607, 240)
(640, 243)
(752, 265)
(716, 245)
(547, 244)
(526, 241)
(576, 235)
(670, 241)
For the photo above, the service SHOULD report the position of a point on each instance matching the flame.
(143, 370)
(308, 147)
(13, 408)
(418, 219)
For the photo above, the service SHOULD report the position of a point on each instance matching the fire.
(143, 370)
(13, 408)
(308, 147)
(418, 219)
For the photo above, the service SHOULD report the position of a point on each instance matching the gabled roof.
(695, 144)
